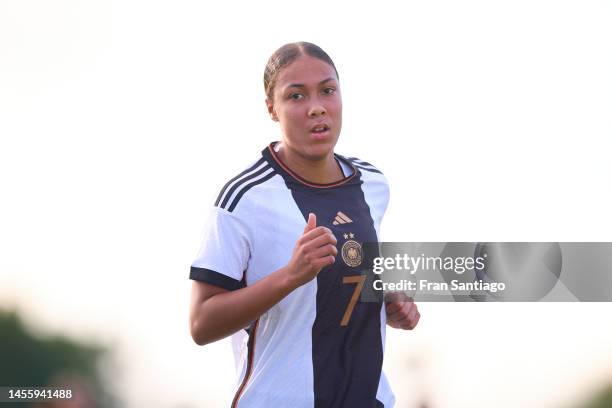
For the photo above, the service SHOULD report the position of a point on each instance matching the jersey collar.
(272, 157)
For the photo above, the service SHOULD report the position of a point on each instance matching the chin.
(309, 148)
(320, 150)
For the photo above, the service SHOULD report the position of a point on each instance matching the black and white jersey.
(318, 347)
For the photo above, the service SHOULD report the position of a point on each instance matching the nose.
(316, 109)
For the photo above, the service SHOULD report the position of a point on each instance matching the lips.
(319, 128)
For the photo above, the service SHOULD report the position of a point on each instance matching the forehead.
(305, 70)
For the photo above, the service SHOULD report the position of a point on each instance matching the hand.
(313, 251)
(402, 312)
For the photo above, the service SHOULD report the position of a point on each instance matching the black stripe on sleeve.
(242, 183)
(248, 187)
(372, 169)
(215, 278)
(363, 165)
(253, 167)
(358, 161)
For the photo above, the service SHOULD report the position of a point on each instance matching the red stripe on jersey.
(249, 370)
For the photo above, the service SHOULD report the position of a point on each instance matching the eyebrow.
(304, 86)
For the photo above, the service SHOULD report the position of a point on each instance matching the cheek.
(336, 107)
(292, 118)
(338, 110)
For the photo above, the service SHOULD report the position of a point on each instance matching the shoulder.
(240, 188)
(372, 177)
(374, 185)
(364, 166)
(361, 164)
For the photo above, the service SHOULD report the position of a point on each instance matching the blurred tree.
(602, 400)
(28, 360)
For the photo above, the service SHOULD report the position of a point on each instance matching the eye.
(329, 91)
(296, 96)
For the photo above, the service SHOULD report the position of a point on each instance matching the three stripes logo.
(363, 165)
(233, 191)
(341, 218)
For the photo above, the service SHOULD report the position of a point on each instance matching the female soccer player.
(282, 255)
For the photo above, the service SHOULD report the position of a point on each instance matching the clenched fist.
(313, 251)
(402, 312)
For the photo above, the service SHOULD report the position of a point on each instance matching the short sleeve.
(224, 253)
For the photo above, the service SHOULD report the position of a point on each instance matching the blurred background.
(120, 122)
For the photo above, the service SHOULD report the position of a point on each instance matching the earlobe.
(271, 111)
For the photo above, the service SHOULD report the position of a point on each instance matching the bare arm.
(216, 312)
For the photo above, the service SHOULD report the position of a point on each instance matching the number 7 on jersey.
(359, 280)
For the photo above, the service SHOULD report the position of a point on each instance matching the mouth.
(320, 130)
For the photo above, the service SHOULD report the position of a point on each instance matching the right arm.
(216, 312)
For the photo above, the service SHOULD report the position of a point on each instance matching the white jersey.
(319, 346)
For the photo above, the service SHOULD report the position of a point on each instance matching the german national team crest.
(351, 251)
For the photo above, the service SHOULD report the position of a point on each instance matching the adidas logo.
(341, 218)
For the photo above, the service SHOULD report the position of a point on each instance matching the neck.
(321, 171)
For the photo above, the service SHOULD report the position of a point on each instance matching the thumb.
(312, 222)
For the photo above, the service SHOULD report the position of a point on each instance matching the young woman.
(281, 265)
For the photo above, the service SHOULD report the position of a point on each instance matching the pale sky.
(120, 122)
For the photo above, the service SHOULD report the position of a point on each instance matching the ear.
(271, 110)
